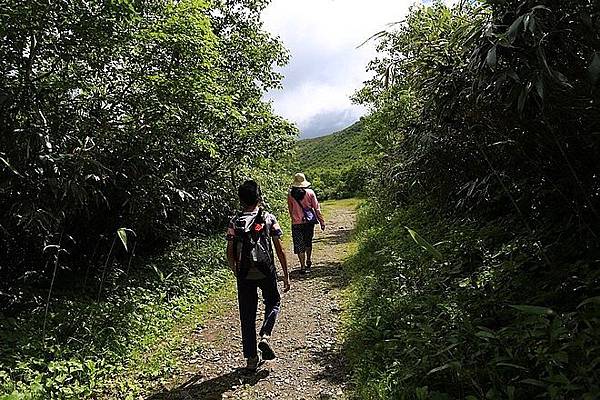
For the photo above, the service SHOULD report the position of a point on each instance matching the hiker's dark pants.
(248, 302)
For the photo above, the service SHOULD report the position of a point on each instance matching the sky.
(326, 67)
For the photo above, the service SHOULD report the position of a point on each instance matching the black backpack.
(252, 245)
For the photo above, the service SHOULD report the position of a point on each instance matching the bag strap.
(299, 203)
(258, 218)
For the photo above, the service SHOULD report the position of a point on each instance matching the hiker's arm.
(283, 261)
(317, 207)
(290, 205)
(231, 256)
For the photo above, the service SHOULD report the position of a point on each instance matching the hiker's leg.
(298, 239)
(309, 233)
(247, 300)
(272, 301)
(302, 259)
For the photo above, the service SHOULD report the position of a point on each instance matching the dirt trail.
(309, 363)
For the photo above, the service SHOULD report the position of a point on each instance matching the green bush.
(118, 348)
(484, 321)
(342, 183)
(486, 115)
(125, 113)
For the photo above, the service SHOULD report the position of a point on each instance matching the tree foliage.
(493, 102)
(125, 113)
(487, 114)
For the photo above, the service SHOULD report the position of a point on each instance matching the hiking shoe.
(253, 363)
(265, 349)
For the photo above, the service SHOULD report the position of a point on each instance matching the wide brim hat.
(300, 181)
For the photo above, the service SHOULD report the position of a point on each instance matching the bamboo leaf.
(591, 300)
(594, 68)
(51, 246)
(534, 310)
(122, 232)
(562, 79)
(514, 28)
(540, 7)
(539, 87)
(486, 335)
(491, 58)
(522, 100)
(10, 167)
(425, 244)
(452, 364)
(503, 364)
(534, 382)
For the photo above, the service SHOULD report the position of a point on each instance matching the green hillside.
(336, 164)
(337, 150)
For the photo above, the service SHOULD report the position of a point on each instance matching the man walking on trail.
(250, 236)
(305, 213)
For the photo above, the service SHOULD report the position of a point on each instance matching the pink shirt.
(309, 201)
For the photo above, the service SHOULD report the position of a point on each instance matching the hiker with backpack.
(251, 235)
(305, 213)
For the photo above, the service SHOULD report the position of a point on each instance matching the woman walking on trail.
(305, 213)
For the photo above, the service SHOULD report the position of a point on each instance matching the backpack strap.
(258, 219)
(235, 219)
(260, 216)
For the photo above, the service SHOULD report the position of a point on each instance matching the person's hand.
(286, 284)
(322, 227)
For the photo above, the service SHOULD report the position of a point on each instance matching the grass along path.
(309, 363)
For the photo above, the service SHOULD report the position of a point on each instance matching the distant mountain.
(337, 150)
(337, 164)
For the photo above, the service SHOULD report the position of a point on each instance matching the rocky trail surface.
(309, 363)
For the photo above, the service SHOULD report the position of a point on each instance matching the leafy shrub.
(470, 325)
(126, 114)
(120, 347)
(343, 183)
(485, 114)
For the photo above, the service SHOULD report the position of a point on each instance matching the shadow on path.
(334, 365)
(333, 237)
(211, 389)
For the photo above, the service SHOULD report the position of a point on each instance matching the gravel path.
(309, 363)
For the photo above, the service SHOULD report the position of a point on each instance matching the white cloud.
(326, 66)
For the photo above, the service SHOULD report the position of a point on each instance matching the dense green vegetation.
(125, 114)
(337, 150)
(477, 273)
(337, 164)
(122, 346)
(125, 127)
